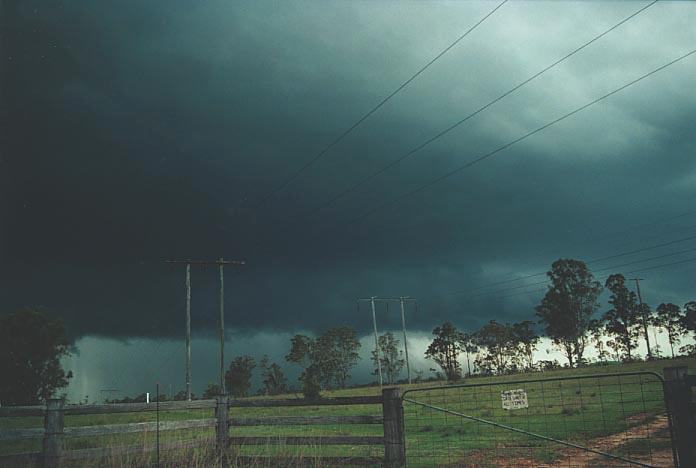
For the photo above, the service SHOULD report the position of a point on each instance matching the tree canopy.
(445, 349)
(31, 347)
(238, 376)
(568, 305)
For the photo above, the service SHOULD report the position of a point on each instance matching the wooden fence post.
(678, 399)
(221, 428)
(53, 433)
(394, 439)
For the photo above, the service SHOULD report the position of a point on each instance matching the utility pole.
(403, 328)
(402, 302)
(188, 332)
(222, 327)
(643, 315)
(221, 321)
(374, 323)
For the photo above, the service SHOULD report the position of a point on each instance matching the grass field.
(621, 415)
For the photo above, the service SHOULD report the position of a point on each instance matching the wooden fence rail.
(54, 431)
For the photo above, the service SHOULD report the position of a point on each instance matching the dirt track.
(576, 458)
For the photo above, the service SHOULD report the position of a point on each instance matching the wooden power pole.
(643, 316)
(402, 302)
(221, 321)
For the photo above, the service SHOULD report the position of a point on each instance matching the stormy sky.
(134, 132)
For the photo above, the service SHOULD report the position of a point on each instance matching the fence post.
(678, 399)
(221, 428)
(393, 417)
(53, 433)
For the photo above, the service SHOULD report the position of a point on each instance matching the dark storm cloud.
(138, 131)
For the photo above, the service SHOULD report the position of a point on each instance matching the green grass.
(574, 410)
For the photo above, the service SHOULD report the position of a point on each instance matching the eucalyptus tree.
(445, 349)
(623, 320)
(568, 305)
(670, 318)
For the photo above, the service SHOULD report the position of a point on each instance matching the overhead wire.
(447, 130)
(612, 267)
(639, 270)
(490, 154)
(594, 260)
(374, 109)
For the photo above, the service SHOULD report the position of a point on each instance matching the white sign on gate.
(514, 399)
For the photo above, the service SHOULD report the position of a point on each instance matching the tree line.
(32, 344)
(569, 315)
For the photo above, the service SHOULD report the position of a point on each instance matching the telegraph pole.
(645, 320)
(374, 323)
(222, 327)
(403, 328)
(221, 321)
(188, 332)
(402, 301)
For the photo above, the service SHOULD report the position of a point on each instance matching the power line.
(346, 132)
(482, 158)
(595, 260)
(654, 267)
(442, 133)
(672, 254)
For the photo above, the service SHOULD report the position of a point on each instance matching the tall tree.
(669, 317)
(336, 353)
(526, 339)
(301, 347)
(496, 344)
(645, 317)
(332, 355)
(567, 306)
(238, 376)
(31, 347)
(596, 329)
(445, 349)
(622, 321)
(390, 357)
(274, 381)
(689, 324)
(470, 347)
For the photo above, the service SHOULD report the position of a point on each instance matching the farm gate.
(621, 419)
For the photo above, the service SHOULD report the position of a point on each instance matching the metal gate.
(579, 421)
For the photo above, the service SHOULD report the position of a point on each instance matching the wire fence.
(605, 420)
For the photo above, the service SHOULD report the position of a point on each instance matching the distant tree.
(498, 348)
(669, 317)
(568, 305)
(181, 396)
(211, 391)
(336, 353)
(526, 340)
(596, 329)
(274, 381)
(689, 325)
(390, 357)
(645, 318)
(469, 347)
(689, 317)
(445, 349)
(622, 320)
(238, 376)
(311, 382)
(333, 354)
(31, 347)
(301, 347)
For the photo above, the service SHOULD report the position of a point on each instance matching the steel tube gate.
(618, 419)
